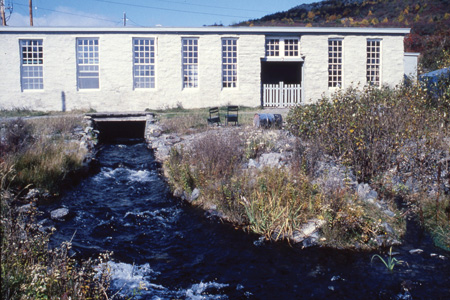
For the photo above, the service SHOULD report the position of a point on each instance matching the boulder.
(59, 214)
(270, 160)
(366, 193)
(33, 194)
(27, 208)
(154, 130)
(331, 176)
(415, 251)
(308, 232)
(195, 194)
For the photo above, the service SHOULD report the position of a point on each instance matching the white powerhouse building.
(129, 69)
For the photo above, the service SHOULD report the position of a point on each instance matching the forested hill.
(429, 22)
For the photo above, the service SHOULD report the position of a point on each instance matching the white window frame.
(373, 62)
(272, 47)
(88, 63)
(229, 62)
(189, 50)
(144, 63)
(335, 62)
(32, 64)
(291, 47)
(283, 46)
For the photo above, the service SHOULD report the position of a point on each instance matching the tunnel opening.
(119, 131)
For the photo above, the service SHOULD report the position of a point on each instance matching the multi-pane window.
(87, 63)
(272, 47)
(282, 47)
(32, 64)
(190, 62)
(373, 62)
(144, 63)
(229, 62)
(335, 62)
(291, 47)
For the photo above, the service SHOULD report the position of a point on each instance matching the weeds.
(42, 150)
(390, 262)
(274, 202)
(436, 215)
(394, 138)
(29, 270)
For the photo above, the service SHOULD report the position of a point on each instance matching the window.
(373, 62)
(190, 62)
(87, 63)
(272, 47)
(275, 47)
(32, 64)
(144, 63)
(229, 62)
(291, 47)
(335, 62)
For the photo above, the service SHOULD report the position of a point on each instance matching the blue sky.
(170, 13)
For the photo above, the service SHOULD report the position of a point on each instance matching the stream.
(166, 249)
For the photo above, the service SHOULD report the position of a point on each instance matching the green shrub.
(368, 129)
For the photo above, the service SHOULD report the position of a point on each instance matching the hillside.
(429, 22)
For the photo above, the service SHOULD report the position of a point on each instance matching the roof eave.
(212, 29)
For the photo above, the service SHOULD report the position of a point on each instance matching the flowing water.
(164, 249)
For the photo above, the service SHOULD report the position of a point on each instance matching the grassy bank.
(396, 139)
(40, 153)
(41, 150)
(271, 201)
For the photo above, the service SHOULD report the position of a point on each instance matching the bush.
(15, 135)
(382, 133)
(369, 129)
(273, 202)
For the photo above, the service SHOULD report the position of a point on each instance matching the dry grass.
(42, 150)
(29, 270)
(40, 153)
(274, 202)
(384, 133)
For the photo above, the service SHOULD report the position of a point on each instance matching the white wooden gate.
(281, 94)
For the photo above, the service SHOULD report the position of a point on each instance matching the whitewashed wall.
(116, 91)
(315, 49)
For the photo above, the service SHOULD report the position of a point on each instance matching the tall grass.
(40, 153)
(43, 151)
(382, 133)
(273, 202)
(30, 270)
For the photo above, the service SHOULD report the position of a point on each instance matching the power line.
(73, 14)
(137, 24)
(209, 6)
(170, 9)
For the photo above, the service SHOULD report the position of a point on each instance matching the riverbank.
(251, 177)
(309, 184)
(39, 156)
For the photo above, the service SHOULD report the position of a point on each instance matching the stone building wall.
(116, 92)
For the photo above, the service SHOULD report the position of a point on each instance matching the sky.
(148, 13)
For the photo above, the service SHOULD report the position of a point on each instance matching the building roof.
(212, 30)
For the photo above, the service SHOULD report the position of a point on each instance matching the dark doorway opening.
(287, 72)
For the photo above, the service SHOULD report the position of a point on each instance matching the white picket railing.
(281, 95)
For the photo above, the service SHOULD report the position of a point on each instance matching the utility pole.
(2, 12)
(124, 19)
(31, 12)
